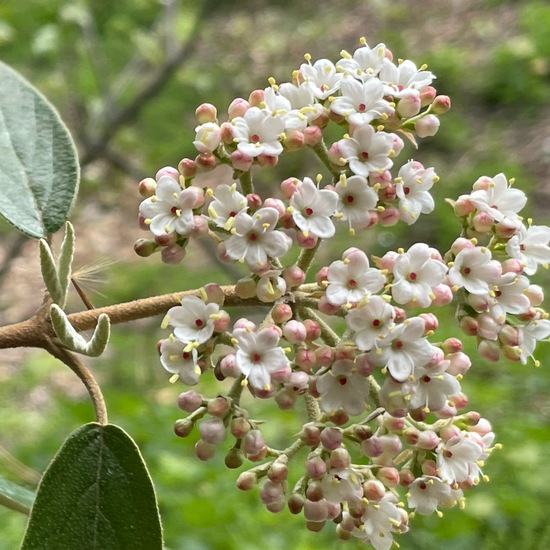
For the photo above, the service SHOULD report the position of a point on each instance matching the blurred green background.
(127, 77)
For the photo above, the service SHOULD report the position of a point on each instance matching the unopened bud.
(234, 458)
(427, 126)
(189, 401)
(145, 247)
(206, 112)
(147, 187)
(183, 427)
(246, 481)
(331, 438)
(204, 450)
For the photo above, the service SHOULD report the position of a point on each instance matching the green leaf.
(39, 171)
(96, 495)
(14, 496)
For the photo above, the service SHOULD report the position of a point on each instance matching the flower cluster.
(387, 433)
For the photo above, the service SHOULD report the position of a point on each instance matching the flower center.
(361, 107)
(309, 211)
(352, 283)
(365, 155)
(252, 237)
(447, 454)
(232, 214)
(254, 138)
(185, 355)
(256, 357)
(425, 378)
(412, 276)
(466, 271)
(342, 380)
(350, 198)
(398, 344)
(406, 190)
(376, 323)
(199, 322)
(422, 485)
(522, 247)
(174, 209)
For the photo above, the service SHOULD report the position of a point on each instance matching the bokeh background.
(126, 77)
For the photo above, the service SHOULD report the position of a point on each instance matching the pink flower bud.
(204, 450)
(393, 424)
(513, 265)
(189, 401)
(290, 185)
(271, 491)
(406, 477)
(535, 295)
(183, 427)
(253, 442)
(294, 276)
(294, 140)
(510, 335)
(460, 400)
(281, 313)
(312, 135)
(315, 511)
(296, 503)
(294, 331)
(206, 112)
(212, 430)
(430, 321)
(427, 95)
(373, 489)
(441, 104)
(339, 417)
(214, 293)
(267, 160)
(340, 458)
(326, 307)
(469, 326)
(388, 192)
(285, 399)
(389, 217)
(451, 345)
(172, 254)
(324, 356)
(238, 107)
(256, 98)
(239, 426)
(147, 187)
(331, 438)
(459, 363)
(240, 161)
(315, 467)
(306, 242)
(228, 366)
(321, 275)
(187, 168)
(219, 407)
(463, 206)
(168, 171)
(314, 491)
(206, 162)
(313, 330)
(429, 468)
(388, 476)
(409, 103)
(246, 481)
(427, 126)
(483, 222)
(165, 240)
(489, 350)
(305, 359)
(505, 230)
(427, 440)
(372, 447)
(145, 247)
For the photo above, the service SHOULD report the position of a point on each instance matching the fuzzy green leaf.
(96, 494)
(14, 496)
(39, 171)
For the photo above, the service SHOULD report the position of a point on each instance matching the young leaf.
(14, 496)
(95, 494)
(40, 172)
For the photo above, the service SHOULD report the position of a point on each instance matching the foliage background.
(127, 77)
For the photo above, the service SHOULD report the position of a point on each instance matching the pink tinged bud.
(331, 438)
(290, 185)
(314, 491)
(512, 353)
(310, 435)
(238, 107)
(406, 477)
(306, 242)
(253, 443)
(427, 126)
(335, 155)
(206, 162)
(294, 140)
(226, 133)
(204, 450)
(448, 432)
(505, 230)
(315, 511)
(489, 350)
(294, 276)
(512, 265)
(212, 430)
(448, 411)
(145, 247)
(147, 187)
(389, 217)
(460, 400)
(315, 467)
(483, 222)
(509, 335)
(441, 104)
(461, 244)
(256, 98)
(363, 365)
(340, 458)
(214, 293)
(326, 307)
(469, 326)
(285, 399)
(183, 427)
(305, 359)
(373, 489)
(362, 432)
(141, 222)
(372, 447)
(388, 476)
(281, 313)
(267, 160)
(429, 468)
(189, 401)
(481, 427)
(324, 356)
(411, 436)
(388, 193)
(312, 135)
(168, 239)
(451, 345)
(321, 275)
(168, 171)
(187, 168)
(246, 481)
(409, 103)
(294, 331)
(313, 330)
(219, 407)
(430, 321)
(240, 161)
(428, 440)
(172, 254)
(400, 314)
(529, 315)
(296, 503)
(393, 424)
(535, 295)
(271, 492)
(234, 458)
(459, 363)
(245, 288)
(463, 206)
(239, 427)
(228, 366)
(427, 95)
(206, 112)
(200, 227)
(339, 417)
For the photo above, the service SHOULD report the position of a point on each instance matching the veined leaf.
(39, 171)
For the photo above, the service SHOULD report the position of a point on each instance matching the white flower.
(226, 203)
(342, 388)
(170, 209)
(312, 208)
(341, 486)
(433, 386)
(254, 238)
(259, 356)
(474, 269)
(321, 77)
(351, 279)
(537, 329)
(361, 101)
(457, 458)
(364, 63)
(367, 151)
(416, 273)
(258, 132)
(207, 137)
(405, 75)
(511, 297)
(302, 98)
(426, 493)
(501, 201)
(403, 349)
(356, 200)
(412, 187)
(370, 321)
(280, 106)
(530, 245)
(193, 320)
(175, 359)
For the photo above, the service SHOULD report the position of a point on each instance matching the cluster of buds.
(385, 431)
